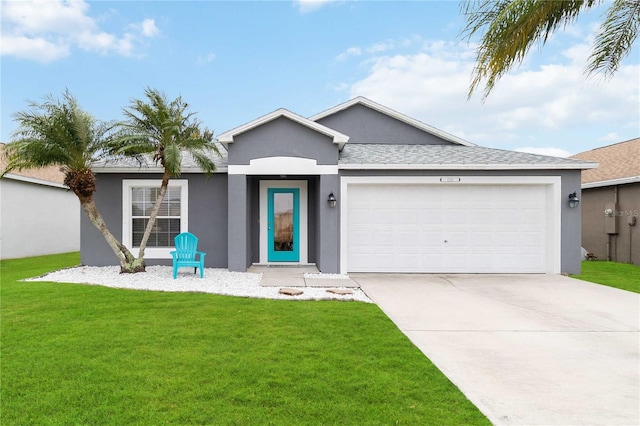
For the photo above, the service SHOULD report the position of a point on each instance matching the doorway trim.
(264, 220)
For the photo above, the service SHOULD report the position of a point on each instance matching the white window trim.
(304, 244)
(554, 198)
(127, 185)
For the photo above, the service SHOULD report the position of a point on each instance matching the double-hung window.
(139, 196)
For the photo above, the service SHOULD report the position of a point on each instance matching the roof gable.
(360, 100)
(617, 162)
(228, 136)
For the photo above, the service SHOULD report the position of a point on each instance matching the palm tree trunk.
(153, 215)
(128, 263)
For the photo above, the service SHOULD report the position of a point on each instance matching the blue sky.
(235, 61)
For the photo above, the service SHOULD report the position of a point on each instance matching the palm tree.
(163, 131)
(510, 28)
(57, 132)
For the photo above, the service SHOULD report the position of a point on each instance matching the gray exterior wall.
(570, 218)
(624, 244)
(282, 138)
(239, 245)
(254, 223)
(365, 125)
(94, 250)
(328, 230)
(571, 224)
(207, 218)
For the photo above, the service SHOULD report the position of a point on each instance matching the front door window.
(283, 226)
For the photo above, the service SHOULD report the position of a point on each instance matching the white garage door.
(447, 228)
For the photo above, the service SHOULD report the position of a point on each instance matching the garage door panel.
(508, 239)
(446, 228)
(530, 240)
(457, 216)
(408, 217)
(482, 217)
(482, 240)
(432, 217)
(408, 240)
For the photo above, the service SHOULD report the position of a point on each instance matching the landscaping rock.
(339, 291)
(290, 291)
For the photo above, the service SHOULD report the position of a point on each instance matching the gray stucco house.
(356, 188)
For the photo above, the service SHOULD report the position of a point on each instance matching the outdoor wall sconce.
(332, 200)
(573, 200)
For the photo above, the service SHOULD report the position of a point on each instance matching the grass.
(619, 275)
(90, 355)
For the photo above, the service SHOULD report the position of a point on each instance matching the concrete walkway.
(293, 276)
(525, 349)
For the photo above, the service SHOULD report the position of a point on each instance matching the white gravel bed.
(218, 281)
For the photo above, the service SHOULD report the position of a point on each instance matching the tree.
(58, 132)
(509, 28)
(162, 131)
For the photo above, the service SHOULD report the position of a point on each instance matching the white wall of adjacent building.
(37, 218)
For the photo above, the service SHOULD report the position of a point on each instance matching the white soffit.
(612, 182)
(395, 114)
(338, 138)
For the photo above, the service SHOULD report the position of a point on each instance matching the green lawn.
(619, 275)
(90, 355)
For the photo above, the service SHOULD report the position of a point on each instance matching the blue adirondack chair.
(186, 254)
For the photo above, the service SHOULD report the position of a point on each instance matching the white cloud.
(377, 48)
(37, 49)
(206, 59)
(553, 152)
(610, 137)
(47, 30)
(40, 16)
(352, 51)
(535, 107)
(381, 47)
(306, 6)
(103, 43)
(149, 28)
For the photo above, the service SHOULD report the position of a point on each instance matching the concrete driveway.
(525, 349)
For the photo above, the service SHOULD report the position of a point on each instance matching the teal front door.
(283, 229)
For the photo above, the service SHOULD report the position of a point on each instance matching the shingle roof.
(188, 164)
(46, 174)
(453, 156)
(617, 161)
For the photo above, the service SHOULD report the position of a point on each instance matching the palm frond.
(55, 132)
(615, 39)
(510, 28)
(162, 129)
(172, 160)
(204, 161)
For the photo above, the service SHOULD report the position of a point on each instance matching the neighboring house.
(38, 215)
(410, 198)
(611, 202)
